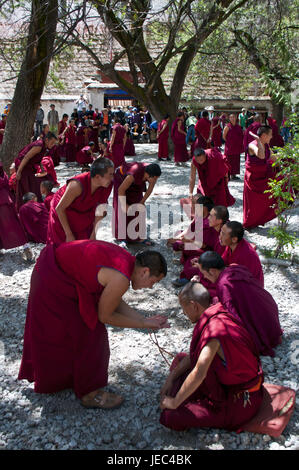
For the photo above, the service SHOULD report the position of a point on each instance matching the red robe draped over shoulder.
(234, 147)
(245, 255)
(11, 231)
(65, 345)
(80, 214)
(163, 151)
(202, 132)
(212, 180)
(246, 299)
(220, 400)
(34, 217)
(257, 206)
(118, 150)
(179, 141)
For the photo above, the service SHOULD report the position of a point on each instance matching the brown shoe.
(103, 400)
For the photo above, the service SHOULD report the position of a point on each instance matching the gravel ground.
(137, 370)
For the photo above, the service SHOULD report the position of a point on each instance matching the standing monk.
(203, 131)
(25, 163)
(277, 140)
(252, 129)
(70, 139)
(162, 137)
(72, 210)
(130, 188)
(65, 341)
(178, 136)
(233, 136)
(219, 383)
(246, 299)
(12, 233)
(117, 143)
(257, 206)
(212, 176)
(216, 131)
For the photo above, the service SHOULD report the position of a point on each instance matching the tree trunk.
(31, 79)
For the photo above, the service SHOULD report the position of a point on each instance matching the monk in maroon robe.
(246, 299)
(203, 131)
(34, 217)
(258, 206)
(62, 125)
(70, 139)
(277, 139)
(47, 171)
(219, 383)
(252, 129)
(47, 193)
(12, 233)
(75, 290)
(117, 143)
(178, 136)
(129, 145)
(216, 131)
(212, 176)
(94, 134)
(2, 127)
(240, 251)
(26, 162)
(85, 156)
(233, 136)
(162, 137)
(73, 208)
(130, 188)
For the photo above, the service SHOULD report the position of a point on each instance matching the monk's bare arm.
(148, 192)
(180, 369)
(192, 179)
(113, 311)
(27, 157)
(128, 181)
(112, 139)
(196, 376)
(225, 131)
(72, 191)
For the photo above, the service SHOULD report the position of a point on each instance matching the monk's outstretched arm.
(192, 179)
(196, 376)
(27, 157)
(225, 131)
(148, 192)
(72, 191)
(112, 310)
(128, 181)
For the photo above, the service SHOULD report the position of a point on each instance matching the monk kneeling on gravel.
(219, 383)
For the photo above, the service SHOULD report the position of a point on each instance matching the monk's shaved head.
(29, 197)
(196, 292)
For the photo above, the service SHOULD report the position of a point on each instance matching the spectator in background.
(89, 113)
(145, 133)
(53, 119)
(81, 103)
(75, 116)
(7, 109)
(242, 119)
(39, 120)
(250, 116)
(190, 128)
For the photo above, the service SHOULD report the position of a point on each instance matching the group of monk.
(83, 281)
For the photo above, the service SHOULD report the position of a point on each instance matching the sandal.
(103, 400)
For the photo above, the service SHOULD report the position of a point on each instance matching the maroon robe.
(277, 139)
(245, 255)
(94, 137)
(11, 231)
(62, 125)
(117, 150)
(163, 151)
(48, 166)
(134, 195)
(70, 145)
(29, 182)
(217, 132)
(179, 141)
(84, 156)
(65, 345)
(83, 136)
(246, 299)
(248, 138)
(220, 400)
(234, 148)
(80, 214)
(129, 147)
(202, 132)
(212, 178)
(48, 199)
(34, 217)
(2, 126)
(55, 154)
(257, 208)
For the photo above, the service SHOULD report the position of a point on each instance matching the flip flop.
(103, 400)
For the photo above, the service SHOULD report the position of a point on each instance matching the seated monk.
(218, 216)
(47, 193)
(240, 251)
(34, 217)
(75, 290)
(85, 155)
(212, 176)
(72, 212)
(246, 299)
(219, 383)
